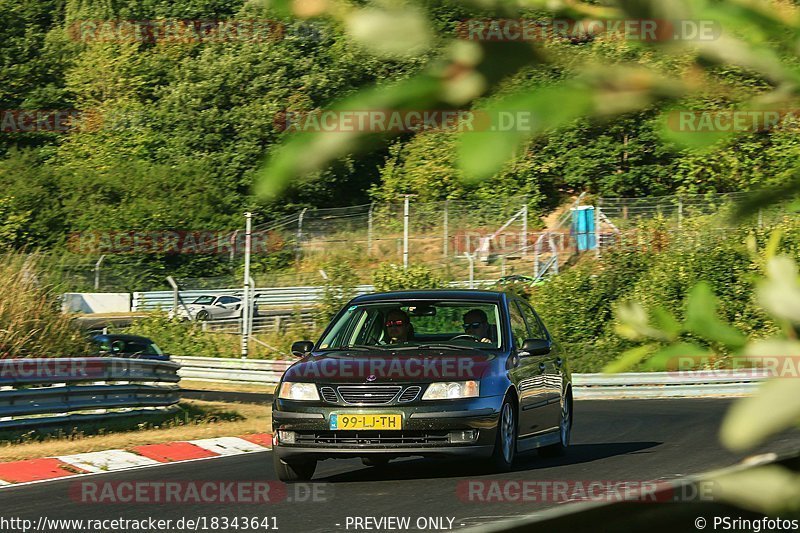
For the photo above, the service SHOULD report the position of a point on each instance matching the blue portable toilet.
(583, 227)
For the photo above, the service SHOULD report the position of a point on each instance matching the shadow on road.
(402, 469)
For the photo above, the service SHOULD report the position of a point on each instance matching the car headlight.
(298, 391)
(447, 390)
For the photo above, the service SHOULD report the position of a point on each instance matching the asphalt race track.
(612, 440)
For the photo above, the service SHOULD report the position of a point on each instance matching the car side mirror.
(536, 347)
(302, 348)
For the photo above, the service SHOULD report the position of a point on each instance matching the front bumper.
(426, 429)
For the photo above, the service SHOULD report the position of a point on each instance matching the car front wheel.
(505, 446)
(564, 432)
(293, 471)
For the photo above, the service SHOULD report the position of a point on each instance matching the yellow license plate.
(357, 421)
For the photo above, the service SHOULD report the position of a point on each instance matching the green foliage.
(590, 306)
(338, 289)
(391, 277)
(182, 338)
(31, 323)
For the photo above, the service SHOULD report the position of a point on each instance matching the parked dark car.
(424, 373)
(128, 346)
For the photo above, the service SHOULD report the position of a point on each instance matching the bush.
(31, 323)
(578, 305)
(339, 288)
(390, 277)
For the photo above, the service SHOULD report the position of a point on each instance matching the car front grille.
(328, 394)
(368, 394)
(410, 394)
(372, 438)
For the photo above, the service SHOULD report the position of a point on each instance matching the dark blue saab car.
(424, 373)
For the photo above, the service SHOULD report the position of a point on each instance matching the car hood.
(419, 366)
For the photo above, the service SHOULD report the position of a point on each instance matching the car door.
(551, 362)
(225, 307)
(528, 377)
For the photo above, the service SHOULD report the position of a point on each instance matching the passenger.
(398, 327)
(476, 323)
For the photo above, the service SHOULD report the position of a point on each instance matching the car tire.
(564, 432)
(293, 471)
(378, 462)
(505, 444)
(202, 316)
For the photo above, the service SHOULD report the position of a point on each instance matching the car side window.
(535, 327)
(518, 328)
(225, 300)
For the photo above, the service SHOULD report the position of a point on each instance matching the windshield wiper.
(452, 347)
(361, 347)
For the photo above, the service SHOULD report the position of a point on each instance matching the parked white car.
(208, 307)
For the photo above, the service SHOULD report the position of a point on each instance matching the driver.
(476, 323)
(398, 327)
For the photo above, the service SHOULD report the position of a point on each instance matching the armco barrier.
(269, 297)
(41, 391)
(586, 386)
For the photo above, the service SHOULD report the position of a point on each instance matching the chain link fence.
(440, 235)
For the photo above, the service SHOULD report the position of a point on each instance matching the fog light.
(286, 437)
(463, 437)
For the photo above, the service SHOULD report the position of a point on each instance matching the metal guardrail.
(265, 297)
(586, 386)
(273, 320)
(232, 370)
(44, 391)
(677, 384)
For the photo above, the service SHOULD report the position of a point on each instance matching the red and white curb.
(135, 457)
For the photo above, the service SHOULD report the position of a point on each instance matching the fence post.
(446, 232)
(299, 237)
(369, 229)
(524, 226)
(246, 308)
(680, 212)
(405, 230)
(597, 230)
(175, 294)
(97, 272)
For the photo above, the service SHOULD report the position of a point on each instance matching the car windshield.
(204, 300)
(455, 324)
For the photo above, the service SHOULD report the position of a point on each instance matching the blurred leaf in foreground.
(768, 489)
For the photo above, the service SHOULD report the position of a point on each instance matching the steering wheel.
(466, 336)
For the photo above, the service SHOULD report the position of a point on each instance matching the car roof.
(437, 294)
(120, 337)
